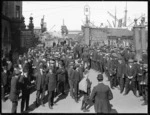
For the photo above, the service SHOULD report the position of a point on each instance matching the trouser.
(107, 74)
(14, 107)
(76, 90)
(84, 104)
(130, 85)
(42, 93)
(25, 100)
(92, 64)
(145, 93)
(100, 67)
(51, 98)
(61, 86)
(113, 81)
(139, 87)
(4, 88)
(121, 84)
(71, 87)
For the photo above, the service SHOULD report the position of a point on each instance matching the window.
(17, 11)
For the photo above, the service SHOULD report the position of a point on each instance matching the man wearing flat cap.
(70, 77)
(40, 83)
(76, 80)
(130, 78)
(139, 76)
(120, 73)
(25, 85)
(101, 94)
(145, 84)
(14, 91)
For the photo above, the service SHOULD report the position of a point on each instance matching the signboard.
(26, 38)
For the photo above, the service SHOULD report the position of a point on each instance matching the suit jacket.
(81, 69)
(76, 77)
(140, 73)
(120, 69)
(61, 74)
(4, 78)
(51, 80)
(25, 85)
(130, 71)
(40, 80)
(14, 91)
(101, 94)
(70, 73)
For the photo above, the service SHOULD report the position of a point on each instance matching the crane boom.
(109, 24)
(137, 19)
(112, 16)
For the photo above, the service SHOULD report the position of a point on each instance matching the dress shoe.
(42, 104)
(50, 107)
(81, 108)
(4, 100)
(112, 87)
(76, 100)
(85, 110)
(144, 103)
(142, 99)
(125, 94)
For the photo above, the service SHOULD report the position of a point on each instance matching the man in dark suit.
(51, 80)
(61, 77)
(76, 80)
(139, 77)
(4, 82)
(25, 85)
(40, 83)
(130, 78)
(14, 91)
(112, 72)
(70, 78)
(101, 94)
(120, 74)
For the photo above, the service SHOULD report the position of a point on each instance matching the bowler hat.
(99, 77)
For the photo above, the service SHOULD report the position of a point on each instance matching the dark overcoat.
(101, 94)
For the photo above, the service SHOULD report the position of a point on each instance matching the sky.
(73, 12)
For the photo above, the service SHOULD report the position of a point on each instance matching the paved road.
(121, 103)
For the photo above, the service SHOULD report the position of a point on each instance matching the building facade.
(11, 20)
(109, 36)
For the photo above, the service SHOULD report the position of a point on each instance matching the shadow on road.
(61, 97)
(113, 111)
(32, 107)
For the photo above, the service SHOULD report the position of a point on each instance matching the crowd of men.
(59, 69)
